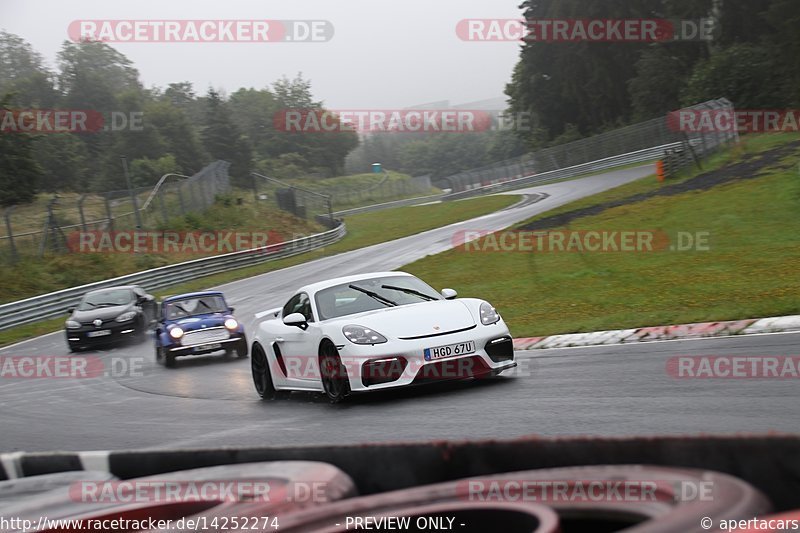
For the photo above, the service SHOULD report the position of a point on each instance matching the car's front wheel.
(262, 377)
(333, 374)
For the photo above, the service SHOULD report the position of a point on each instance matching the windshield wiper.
(201, 302)
(179, 306)
(427, 297)
(107, 304)
(374, 295)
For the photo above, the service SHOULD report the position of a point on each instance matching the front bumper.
(117, 332)
(399, 363)
(208, 347)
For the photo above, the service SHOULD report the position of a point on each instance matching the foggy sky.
(383, 55)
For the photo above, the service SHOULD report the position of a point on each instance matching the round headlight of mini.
(489, 314)
(231, 323)
(176, 332)
(124, 317)
(71, 324)
(362, 335)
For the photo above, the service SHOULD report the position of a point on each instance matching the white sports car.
(376, 331)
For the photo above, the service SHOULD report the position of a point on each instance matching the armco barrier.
(56, 303)
(641, 156)
(768, 463)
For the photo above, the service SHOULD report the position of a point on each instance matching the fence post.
(136, 213)
(164, 215)
(12, 247)
(80, 211)
(180, 199)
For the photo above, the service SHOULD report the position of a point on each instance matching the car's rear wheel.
(262, 377)
(333, 374)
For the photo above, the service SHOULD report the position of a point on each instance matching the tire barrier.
(638, 499)
(768, 463)
(13, 491)
(278, 487)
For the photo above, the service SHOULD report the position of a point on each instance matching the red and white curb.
(661, 333)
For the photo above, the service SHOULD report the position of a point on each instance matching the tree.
(19, 171)
(223, 140)
(64, 160)
(22, 73)
(748, 75)
(178, 134)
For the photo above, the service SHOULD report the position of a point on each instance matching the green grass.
(362, 230)
(749, 145)
(751, 269)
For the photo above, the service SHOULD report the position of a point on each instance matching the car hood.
(191, 323)
(103, 313)
(416, 320)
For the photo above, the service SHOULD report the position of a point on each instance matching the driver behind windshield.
(195, 306)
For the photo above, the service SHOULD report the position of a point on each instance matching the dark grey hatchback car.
(110, 315)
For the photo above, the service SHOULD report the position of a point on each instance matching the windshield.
(195, 306)
(371, 294)
(109, 298)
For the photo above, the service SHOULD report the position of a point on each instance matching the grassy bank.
(748, 211)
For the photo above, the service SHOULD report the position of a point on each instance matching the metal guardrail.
(641, 156)
(388, 205)
(56, 303)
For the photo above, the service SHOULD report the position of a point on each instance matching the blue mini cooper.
(197, 323)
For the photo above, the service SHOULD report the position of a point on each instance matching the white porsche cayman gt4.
(376, 331)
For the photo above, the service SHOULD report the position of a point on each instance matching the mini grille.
(204, 336)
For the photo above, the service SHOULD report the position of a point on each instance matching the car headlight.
(231, 323)
(71, 324)
(362, 335)
(489, 314)
(124, 317)
(176, 332)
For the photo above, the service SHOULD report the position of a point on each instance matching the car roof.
(129, 287)
(315, 287)
(197, 294)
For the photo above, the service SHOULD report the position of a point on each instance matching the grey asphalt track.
(210, 401)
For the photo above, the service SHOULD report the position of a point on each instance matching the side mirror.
(231, 310)
(449, 294)
(70, 310)
(297, 320)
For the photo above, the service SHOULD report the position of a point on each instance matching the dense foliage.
(753, 60)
